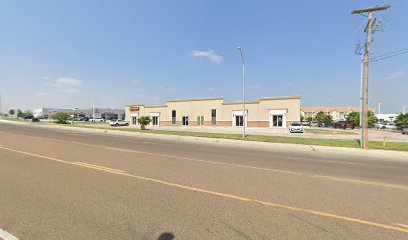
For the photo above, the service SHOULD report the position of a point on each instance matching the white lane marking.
(220, 194)
(346, 180)
(6, 236)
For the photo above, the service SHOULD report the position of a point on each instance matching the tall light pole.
(243, 91)
(379, 107)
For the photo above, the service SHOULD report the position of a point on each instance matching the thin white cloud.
(134, 83)
(395, 75)
(65, 85)
(210, 55)
(254, 86)
(172, 89)
(211, 89)
(68, 90)
(40, 94)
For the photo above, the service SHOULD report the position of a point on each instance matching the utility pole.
(364, 109)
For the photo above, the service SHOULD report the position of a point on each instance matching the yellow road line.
(361, 182)
(219, 194)
(348, 180)
(402, 225)
(97, 166)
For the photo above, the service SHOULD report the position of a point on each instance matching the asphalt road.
(62, 184)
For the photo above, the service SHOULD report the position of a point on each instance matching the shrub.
(61, 117)
(143, 121)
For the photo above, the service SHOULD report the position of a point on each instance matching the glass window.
(134, 120)
(277, 120)
(173, 117)
(213, 116)
(239, 121)
(155, 121)
(185, 121)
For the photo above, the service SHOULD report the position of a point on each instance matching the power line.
(389, 55)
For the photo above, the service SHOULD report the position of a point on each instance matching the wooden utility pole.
(364, 109)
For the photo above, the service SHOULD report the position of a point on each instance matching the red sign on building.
(134, 109)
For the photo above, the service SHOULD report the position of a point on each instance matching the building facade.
(276, 112)
(105, 113)
(337, 113)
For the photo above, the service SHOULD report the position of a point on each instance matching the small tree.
(401, 120)
(354, 117)
(320, 116)
(19, 113)
(302, 118)
(61, 117)
(328, 118)
(143, 121)
(309, 119)
(12, 111)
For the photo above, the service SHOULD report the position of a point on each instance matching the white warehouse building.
(105, 113)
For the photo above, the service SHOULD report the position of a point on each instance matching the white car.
(117, 123)
(296, 127)
(97, 120)
(390, 126)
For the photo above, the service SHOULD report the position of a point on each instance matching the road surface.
(62, 184)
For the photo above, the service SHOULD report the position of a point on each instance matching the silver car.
(405, 129)
(116, 123)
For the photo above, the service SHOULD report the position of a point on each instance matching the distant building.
(386, 117)
(337, 113)
(105, 113)
(273, 112)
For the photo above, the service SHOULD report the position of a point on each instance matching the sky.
(77, 53)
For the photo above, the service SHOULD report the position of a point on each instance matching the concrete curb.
(235, 143)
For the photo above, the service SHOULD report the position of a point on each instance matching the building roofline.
(277, 98)
(134, 105)
(233, 103)
(196, 99)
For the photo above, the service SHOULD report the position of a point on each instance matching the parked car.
(325, 124)
(26, 117)
(379, 125)
(35, 119)
(116, 123)
(390, 126)
(305, 123)
(314, 124)
(296, 127)
(344, 125)
(97, 120)
(405, 130)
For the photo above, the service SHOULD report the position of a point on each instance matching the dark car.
(325, 124)
(26, 117)
(344, 125)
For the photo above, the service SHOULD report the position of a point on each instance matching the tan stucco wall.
(258, 112)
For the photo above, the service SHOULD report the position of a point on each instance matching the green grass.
(349, 143)
(329, 131)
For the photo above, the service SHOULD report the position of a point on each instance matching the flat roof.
(197, 99)
(219, 98)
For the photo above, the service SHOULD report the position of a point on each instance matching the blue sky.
(112, 53)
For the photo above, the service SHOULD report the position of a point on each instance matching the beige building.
(337, 113)
(276, 112)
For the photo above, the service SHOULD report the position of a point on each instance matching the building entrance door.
(277, 120)
(239, 121)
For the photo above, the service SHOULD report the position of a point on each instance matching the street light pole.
(243, 91)
(379, 108)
